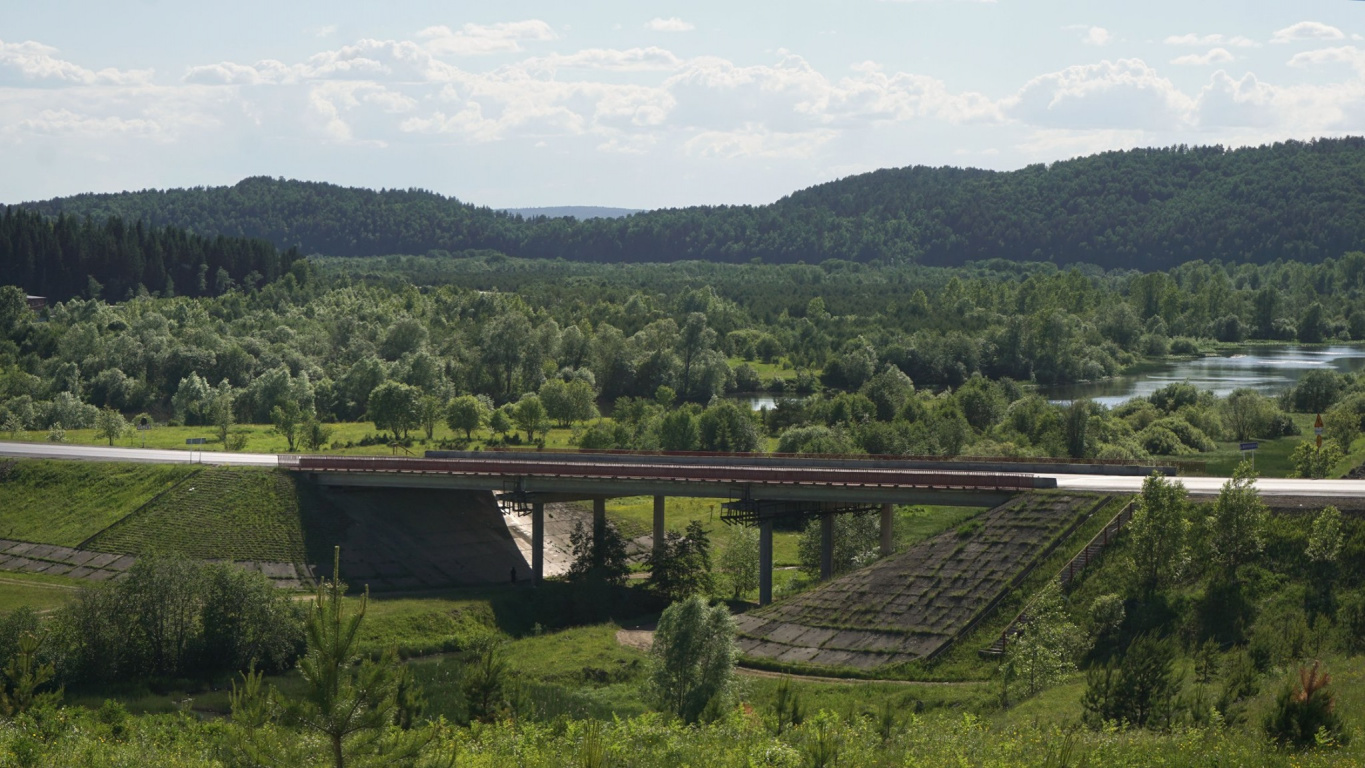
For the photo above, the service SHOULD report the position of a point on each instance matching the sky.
(645, 104)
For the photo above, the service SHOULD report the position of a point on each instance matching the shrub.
(1184, 345)
(598, 560)
(1140, 690)
(693, 657)
(1316, 461)
(171, 616)
(1189, 434)
(1304, 712)
(681, 566)
(1161, 441)
(857, 539)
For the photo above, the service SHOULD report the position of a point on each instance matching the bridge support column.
(765, 562)
(537, 543)
(888, 520)
(826, 546)
(658, 523)
(599, 523)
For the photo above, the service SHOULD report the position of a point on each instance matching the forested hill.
(1147, 209)
(66, 256)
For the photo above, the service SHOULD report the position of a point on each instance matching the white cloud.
(476, 39)
(228, 73)
(37, 62)
(1057, 143)
(672, 24)
(1095, 36)
(1307, 30)
(651, 101)
(756, 141)
(608, 59)
(326, 31)
(1215, 56)
(1205, 41)
(69, 123)
(1123, 94)
(1347, 54)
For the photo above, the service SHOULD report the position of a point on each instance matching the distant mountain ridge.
(573, 212)
(1141, 209)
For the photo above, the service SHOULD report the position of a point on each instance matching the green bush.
(1139, 691)
(1305, 714)
(1161, 441)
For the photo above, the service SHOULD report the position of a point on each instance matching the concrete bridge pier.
(658, 523)
(888, 521)
(537, 543)
(599, 522)
(765, 561)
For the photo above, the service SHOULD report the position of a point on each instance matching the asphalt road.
(1209, 486)
(144, 455)
(1197, 486)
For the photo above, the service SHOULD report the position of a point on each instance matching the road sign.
(1250, 446)
(196, 440)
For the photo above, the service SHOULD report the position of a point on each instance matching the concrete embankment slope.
(93, 520)
(912, 605)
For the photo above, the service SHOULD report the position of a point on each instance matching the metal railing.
(1088, 554)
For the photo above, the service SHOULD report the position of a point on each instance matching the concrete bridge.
(761, 489)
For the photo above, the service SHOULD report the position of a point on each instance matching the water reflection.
(757, 402)
(1268, 370)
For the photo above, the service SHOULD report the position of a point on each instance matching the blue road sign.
(1250, 446)
(195, 440)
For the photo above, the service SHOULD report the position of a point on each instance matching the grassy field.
(262, 438)
(238, 513)
(438, 622)
(34, 590)
(66, 502)
(634, 516)
(782, 368)
(1271, 457)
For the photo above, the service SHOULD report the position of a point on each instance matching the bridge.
(761, 490)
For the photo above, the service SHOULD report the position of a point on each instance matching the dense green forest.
(861, 358)
(1144, 209)
(110, 258)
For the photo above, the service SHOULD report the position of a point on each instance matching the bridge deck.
(497, 471)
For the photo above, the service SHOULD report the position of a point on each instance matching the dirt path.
(639, 639)
(749, 672)
(38, 584)
(642, 639)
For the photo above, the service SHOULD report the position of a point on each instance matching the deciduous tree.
(692, 659)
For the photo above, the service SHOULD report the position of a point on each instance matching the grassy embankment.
(66, 502)
(231, 513)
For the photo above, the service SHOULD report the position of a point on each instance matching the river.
(1269, 370)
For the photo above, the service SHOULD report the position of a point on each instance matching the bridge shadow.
(409, 539)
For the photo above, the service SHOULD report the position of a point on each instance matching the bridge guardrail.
(618, 469)
(976, 464)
